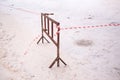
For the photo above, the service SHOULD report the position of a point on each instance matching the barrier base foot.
(57, 59)
(42, 38)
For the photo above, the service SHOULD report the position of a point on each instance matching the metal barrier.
(48, 24)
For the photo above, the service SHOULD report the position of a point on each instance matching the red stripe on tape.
(75, 27)
(71, 28)
(84, 27)
(88, 26)
(79, 27)
(97, 26)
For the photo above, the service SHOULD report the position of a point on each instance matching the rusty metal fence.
(48, 24)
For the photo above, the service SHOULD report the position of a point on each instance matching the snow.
(90, 54)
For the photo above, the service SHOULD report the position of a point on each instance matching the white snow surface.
(90, 54)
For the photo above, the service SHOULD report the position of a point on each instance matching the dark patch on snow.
(68, 17)
(113, 22)
(77, 31)
(84, 43)
(1, 24)
(12, 5)
(89, 17)
(116, 68)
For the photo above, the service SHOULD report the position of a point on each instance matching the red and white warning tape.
(85, 27)
(21, 9)
(31, 44)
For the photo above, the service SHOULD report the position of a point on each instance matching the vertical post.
(42, 26)
(58, 45)
(52, 29)
(45, 21)
(48, 25)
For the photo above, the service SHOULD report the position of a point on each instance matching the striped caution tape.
(21, 9)
(30, 44)
(85, 27)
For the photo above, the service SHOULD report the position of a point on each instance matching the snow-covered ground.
(90, 54)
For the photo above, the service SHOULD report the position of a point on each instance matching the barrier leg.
(42, 38)
(57, 60)
(53, 63)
